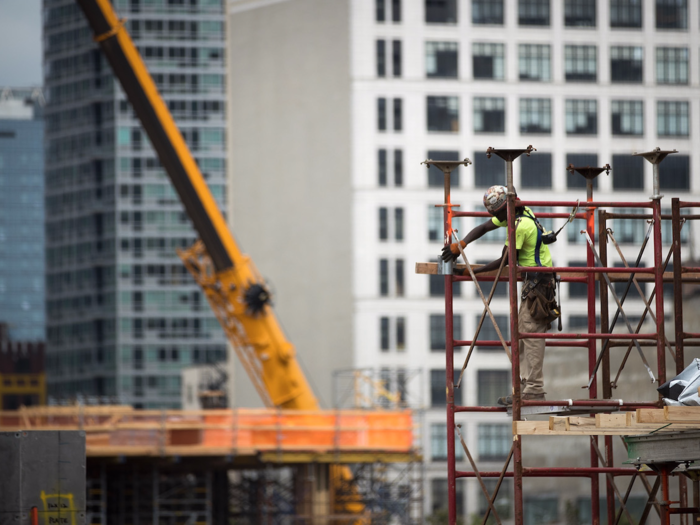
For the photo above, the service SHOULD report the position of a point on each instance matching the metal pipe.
(544, 335)
(557, 472)
(449, 372)
(493, 343)
(659, 285)
(677, 284)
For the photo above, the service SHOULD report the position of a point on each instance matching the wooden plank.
(682, 414)
(541, 428)
(579, 422)
(650, 415)
(558, 422)
(611, 420)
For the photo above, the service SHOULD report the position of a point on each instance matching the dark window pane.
(580, 63)
(441, 59)
(398, 168)
(579, 13)
(533, 12)
(504, 501)
(396, 10)
(381, 167)
(437, 287)
(437, 331)
(535, 115)
(489, 114)
(383, 277)
(436, 178)
(534, 62)
(536, 170)
(581, 117)
(398, 114)
(396, 57)
(400, 333)
(674, 173)
(494, 442)
(626, 64)
(580, 160)
(488, 331)
(399, 267)
(672, 118)
(672, 65)
(541, 509)
(381, 114)
(626, 13)
(627, 117)
(671, 14)
(437, 388)
(487, 12)
(384, 333)
(488, 61)
(492, 384)
(381, 58)
(488, 172)
(441, 11)
(380, 10)
(438, 489)
(443, 114)
(398, 224)
(627, 172)
(383, 224)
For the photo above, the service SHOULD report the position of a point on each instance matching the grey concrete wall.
(289, 174)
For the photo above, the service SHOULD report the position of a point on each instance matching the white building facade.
(586, 82)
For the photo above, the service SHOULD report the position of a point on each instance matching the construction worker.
(538, 306)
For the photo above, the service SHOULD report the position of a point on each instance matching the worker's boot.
(508, 400)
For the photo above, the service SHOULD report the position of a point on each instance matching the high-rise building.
(346, 98)
(22, 213)
(123, 314)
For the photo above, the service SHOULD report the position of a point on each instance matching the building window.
(398, 114)
(674, 173)
(494, 441)
(536, 171)
(541, 509)
(381, 167)
(577, 290)
(384, 277)
(438, 493)
(380, 10)
(576, 181)
(398, 224)
(400, 334)
(437, 286)
(381, 58)
(672, 119)
(672, 65)
(441, 11)
(534, 62)
(671, 14)
(436, 178)
(437, 331)
(627, 117)
(492, 384)
(443, 114)
(488, 331)
(441, 59)
(437, 388)
(488, 61)
(381, 114)
(535, 115)
(383, 224)
(487, 12)
(627, 172)
(489, 114)
(626, 13)
(579, 13)
(580, 63)
(438, 442)
(396, 10)
(398, 168)
(626, 64)
(399, 276)
(396, 57)
(435, 223)
(384, 334)
(488, 172)
(533, 12)
(581, 117)
(504, 501)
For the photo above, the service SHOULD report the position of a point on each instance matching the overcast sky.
(20, 43)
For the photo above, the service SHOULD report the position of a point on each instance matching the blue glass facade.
(22, 228)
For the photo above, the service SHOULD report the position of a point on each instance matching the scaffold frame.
(596, 270)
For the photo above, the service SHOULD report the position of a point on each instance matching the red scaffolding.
(596, 270)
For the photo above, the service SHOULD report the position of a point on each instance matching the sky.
(20, 43)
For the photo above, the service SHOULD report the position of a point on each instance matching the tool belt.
(539, 297)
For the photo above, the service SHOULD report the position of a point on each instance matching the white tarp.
(682, 390)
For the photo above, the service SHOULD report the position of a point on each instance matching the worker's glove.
(451, 252)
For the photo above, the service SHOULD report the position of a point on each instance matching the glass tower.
(22, 213)
(123, 314)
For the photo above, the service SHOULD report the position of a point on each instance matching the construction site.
(362, 462)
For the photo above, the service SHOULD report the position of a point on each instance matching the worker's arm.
(451, 252)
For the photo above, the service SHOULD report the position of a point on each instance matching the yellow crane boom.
(235, 290)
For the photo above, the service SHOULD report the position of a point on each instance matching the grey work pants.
(531, 352)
